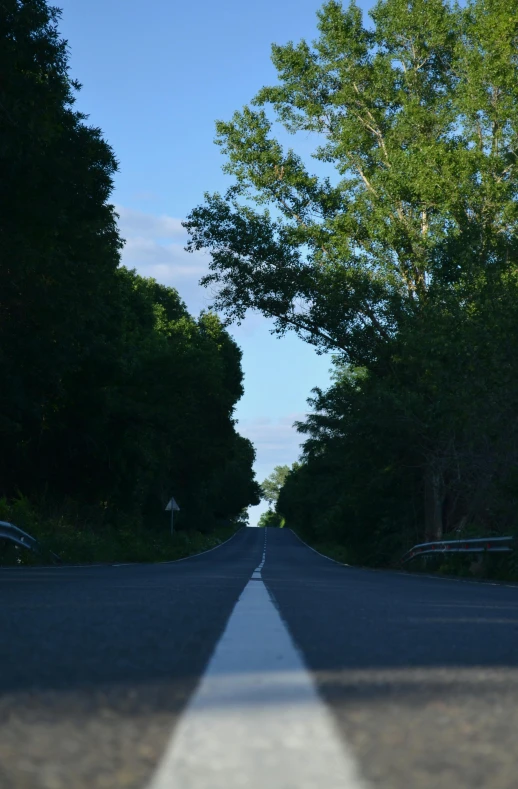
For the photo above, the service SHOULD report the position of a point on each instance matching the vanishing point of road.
(258, 665)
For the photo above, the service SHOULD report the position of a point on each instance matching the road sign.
(172, 507)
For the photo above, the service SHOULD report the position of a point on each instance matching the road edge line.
(200, 553)
(409, 573)
(342, 564)
(117, 564)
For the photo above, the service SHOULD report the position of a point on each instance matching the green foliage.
(270, 518)
(402, 261)
(78, 538)
(423, 193)
(271, 486)
(113, 397)
(446, 407)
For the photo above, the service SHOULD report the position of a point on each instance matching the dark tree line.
(112, 395)
(402, 262)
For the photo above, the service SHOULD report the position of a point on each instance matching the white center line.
(257, 571)
(256, 720)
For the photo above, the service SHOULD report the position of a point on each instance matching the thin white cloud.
(139, 223)
(166, 260)
(155, 247)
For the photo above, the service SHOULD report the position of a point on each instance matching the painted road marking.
(256, 720)
(257, 572)
(343, 564)
(61, 567)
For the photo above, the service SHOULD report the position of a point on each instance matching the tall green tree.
(113, 397)
(58, 235)
(417, 118)
(272, 485)
(398, 258)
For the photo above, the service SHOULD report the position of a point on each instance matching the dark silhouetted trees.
(112, 396)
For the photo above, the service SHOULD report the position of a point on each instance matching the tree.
(158, 419)
(113, 397)
(271, 519)
(394, 259)
(271, 485)
(418, 119)
(59, 240)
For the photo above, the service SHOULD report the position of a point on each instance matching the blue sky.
(155, 78)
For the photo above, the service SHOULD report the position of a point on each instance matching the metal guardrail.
(8, 531)
(476, 545)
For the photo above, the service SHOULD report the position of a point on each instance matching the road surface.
(257, 664)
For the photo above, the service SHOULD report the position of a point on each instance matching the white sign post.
(173, 507)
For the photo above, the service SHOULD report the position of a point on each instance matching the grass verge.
(76, 546)
(488, 567)
(330, 549)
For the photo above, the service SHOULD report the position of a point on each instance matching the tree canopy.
(271, 486)
(417, 118)
(396, 250)
(113, 396)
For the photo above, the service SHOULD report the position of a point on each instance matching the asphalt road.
(98, 664)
